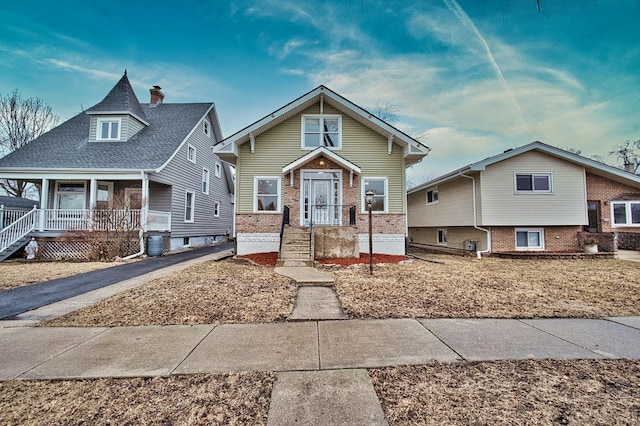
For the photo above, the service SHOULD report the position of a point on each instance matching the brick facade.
(602, 190)
(556, 238)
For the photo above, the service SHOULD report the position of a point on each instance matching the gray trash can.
(154, 245)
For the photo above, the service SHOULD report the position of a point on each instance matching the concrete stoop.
(336, 397)
(296, 244)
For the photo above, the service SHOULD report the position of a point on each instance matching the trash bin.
(154, 245)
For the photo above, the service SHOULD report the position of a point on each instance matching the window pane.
(619, 214)
(378, 204)
(330, 139)
(534, 239)
(635, 213)
(267, 203)
(312, 125)
(331, 125)
(104, 130)
(377, 186)
(521, 239)
(523, 183)
(312, 140)
(267, 186)
(541, 183)
(114, 130)
(71, 201)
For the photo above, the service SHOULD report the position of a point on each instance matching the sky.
(469, 78)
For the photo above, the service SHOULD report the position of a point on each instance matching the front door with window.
(321, 198)
(593, 214)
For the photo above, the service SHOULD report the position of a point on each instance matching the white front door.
(320, 201)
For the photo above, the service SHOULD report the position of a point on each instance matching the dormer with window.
(118, 117)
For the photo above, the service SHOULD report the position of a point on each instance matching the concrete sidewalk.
(64, 353)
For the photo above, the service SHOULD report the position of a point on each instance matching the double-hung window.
(625, 213)
(189, 206)
(206, 128)
(432, 196)
(379, 187)
(218, 170)
(191, 153)
(321, 130)
(205, 180)
(529, 239)
(108, 129)
(442, 237)
(533, 183)
(266, 194)
(216, 209)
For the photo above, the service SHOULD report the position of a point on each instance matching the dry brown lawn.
(210, 293)
(491, 287)
(226, 399)
(19, 273)
(585, 392)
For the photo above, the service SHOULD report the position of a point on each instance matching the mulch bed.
(264, 259)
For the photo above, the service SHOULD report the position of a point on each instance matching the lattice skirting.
(54, 249)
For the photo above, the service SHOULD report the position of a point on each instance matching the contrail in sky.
(464, 19)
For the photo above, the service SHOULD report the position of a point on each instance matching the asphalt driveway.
(21, 299)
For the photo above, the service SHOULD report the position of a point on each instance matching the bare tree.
(628, 154)
(385, 111)
(21, 121)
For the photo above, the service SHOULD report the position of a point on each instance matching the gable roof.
(17, 202)
(121, 99)
(592, 166)
(414, 150)
(322, 151)
(67, 146)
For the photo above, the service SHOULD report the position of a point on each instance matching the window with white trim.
(218, 170)
(216, 209)
(206, 128)
(432, 196)
(205, 180)
(533, 183)
(266, 194)
(442, 237)
(529, 239)
(108, 129)
(379, 186)
(189, 206)
(70, 195)
(625, 213)
(321, 130)
(191, 153)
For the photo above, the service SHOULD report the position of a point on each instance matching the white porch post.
(145, 201)
(93, 194)
(44, 203)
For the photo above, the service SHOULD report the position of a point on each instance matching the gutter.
(475, 216)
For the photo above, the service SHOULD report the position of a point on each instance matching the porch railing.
(18, 229)
(332, 214)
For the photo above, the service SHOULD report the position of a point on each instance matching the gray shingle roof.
(15, 202)
(67, 146)
(120, 98)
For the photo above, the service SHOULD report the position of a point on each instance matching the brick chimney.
(156, 95)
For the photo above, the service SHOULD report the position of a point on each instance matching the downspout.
(143, 220)
(475, 217)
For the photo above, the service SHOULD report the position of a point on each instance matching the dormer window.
(321, 130)
(108, 129)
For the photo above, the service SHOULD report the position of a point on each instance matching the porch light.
(368, 196)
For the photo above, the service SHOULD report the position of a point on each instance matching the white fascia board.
(87, 174)
(341, 161)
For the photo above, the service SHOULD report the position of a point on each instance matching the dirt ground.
(19, 273)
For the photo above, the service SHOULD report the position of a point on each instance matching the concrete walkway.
(63, 353)
(630, 255)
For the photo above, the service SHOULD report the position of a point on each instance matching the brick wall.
(556, 239)
(602, 189)
(258, 223)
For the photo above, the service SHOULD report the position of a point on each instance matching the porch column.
(93, 194)
(44, 204)
(144, 208)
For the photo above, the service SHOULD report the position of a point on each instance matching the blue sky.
(471, 78)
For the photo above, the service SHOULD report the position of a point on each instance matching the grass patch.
(594, 392)
(230, 399)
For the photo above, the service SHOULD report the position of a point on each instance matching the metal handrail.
(338, 214)
(285, 221)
